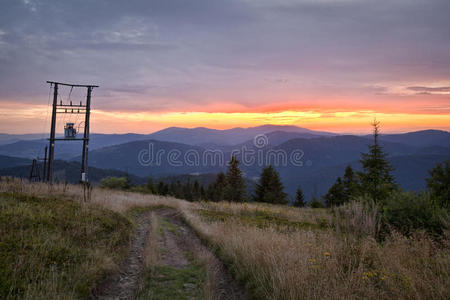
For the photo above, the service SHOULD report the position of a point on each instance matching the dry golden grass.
(280, 211)
(320, 264)
(117, 201)
(303, 263)
(56, 249)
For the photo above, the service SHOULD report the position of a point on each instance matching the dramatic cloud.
(162, 56)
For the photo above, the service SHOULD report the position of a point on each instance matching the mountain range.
(64, 171)
(26, 146)
(201, 152)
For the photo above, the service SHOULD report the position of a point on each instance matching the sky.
(331, 65)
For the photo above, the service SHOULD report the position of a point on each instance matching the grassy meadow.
(53, 245)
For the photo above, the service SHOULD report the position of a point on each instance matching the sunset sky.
(320, 64)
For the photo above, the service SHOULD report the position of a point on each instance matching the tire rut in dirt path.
(124, 284)
(186, 241)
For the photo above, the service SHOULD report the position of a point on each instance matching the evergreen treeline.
(270, 189)
(375, 181)
(402, 211)
(374, 184)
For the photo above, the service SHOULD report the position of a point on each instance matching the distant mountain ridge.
(6, 138)
(66, 171)
(191, 136)
(323, 157)
(8, 161)
(227, 137)
(207, 138)
(423, 138)
(66, 149)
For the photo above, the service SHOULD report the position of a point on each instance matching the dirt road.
(178, 247)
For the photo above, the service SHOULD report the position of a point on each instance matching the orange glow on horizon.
(340, 122)
(22, 119)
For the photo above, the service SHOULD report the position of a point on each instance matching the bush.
(316, 203)
(410, 211)
(439, 184)
(117, 183)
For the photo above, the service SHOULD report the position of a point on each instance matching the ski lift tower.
(70, 131)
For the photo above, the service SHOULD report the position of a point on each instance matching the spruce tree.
(262, 185)
(127, 184)
(196, 194)
(202, 193)
(161, 188)
(270, 189)
(150, 186)
(188, 191)
(439, 184)
(178, 190)
(376, 179)
(235, 184)
(172, 189)
(336, 194)
(217, 189)
(210, 192)
(343, 190)
(299, 198)
(351, 185)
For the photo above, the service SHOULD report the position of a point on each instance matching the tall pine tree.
(270, 189)
(376, 179)
(235, 184)
(216, 190)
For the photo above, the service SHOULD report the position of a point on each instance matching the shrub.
(439, 184)
(117, 183)
(410, 211)
(316, 203)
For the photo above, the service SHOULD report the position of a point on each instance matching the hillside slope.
(53, 248)
(70, 172)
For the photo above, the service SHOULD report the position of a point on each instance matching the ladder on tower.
(35, 175)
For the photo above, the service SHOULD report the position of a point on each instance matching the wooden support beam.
(74, 85)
